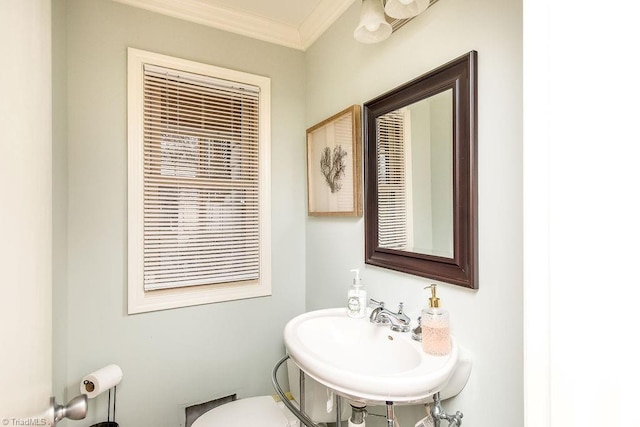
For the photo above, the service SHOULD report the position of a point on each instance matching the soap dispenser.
(435, 326)
(356, 298)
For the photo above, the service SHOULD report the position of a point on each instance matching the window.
(199, 208)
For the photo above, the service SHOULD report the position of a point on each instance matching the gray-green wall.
(487, 322)
(176, 357)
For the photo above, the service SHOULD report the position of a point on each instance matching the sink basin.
(365, 362)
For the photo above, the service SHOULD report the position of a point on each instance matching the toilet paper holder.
(89, 386)
(99, 381)
(109, 423)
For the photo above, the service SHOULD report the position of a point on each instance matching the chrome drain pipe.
(357, 416)
(390, 414)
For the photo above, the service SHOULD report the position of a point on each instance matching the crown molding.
(249, 25)
(325, 14)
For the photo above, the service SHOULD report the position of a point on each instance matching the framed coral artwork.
(334, 165)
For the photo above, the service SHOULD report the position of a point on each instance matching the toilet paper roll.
(100, 381)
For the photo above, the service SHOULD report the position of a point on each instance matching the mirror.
(421, 175)
(414, 146)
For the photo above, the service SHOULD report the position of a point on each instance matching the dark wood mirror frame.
(460, 75)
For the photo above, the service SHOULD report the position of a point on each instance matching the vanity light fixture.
(373, 25)
(379, 18)
(405, 9)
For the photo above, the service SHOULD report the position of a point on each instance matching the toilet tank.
(318, 398)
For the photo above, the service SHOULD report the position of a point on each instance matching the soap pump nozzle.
(434, 301)
(356, 278)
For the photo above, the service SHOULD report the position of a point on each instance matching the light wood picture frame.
(334, 165)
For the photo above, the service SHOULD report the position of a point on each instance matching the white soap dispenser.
(356, 298)
(436, 339)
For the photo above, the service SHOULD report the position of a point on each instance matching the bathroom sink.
(365, 362)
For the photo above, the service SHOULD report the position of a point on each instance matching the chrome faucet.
(399, 321)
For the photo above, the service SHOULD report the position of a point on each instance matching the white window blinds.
(201, 180)
(392, 200)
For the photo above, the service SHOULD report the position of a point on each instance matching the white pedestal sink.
(366, 362)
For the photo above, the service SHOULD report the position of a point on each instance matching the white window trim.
(140, 301)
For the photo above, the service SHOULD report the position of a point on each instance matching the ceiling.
(292, 23)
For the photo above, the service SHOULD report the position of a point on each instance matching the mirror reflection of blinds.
(392, 203)
(201, 193)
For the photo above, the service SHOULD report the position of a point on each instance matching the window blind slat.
(214, 245)
(198, 184)
(169, 116)
(201, 254)
(167, 266)
(183, 273)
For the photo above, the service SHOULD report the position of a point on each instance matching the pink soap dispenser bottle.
(436, 339)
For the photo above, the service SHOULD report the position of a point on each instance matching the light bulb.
(372, 26)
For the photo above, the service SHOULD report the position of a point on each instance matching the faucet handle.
(457, 419)
(400, 307)
(375, 304)
(416, 333)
